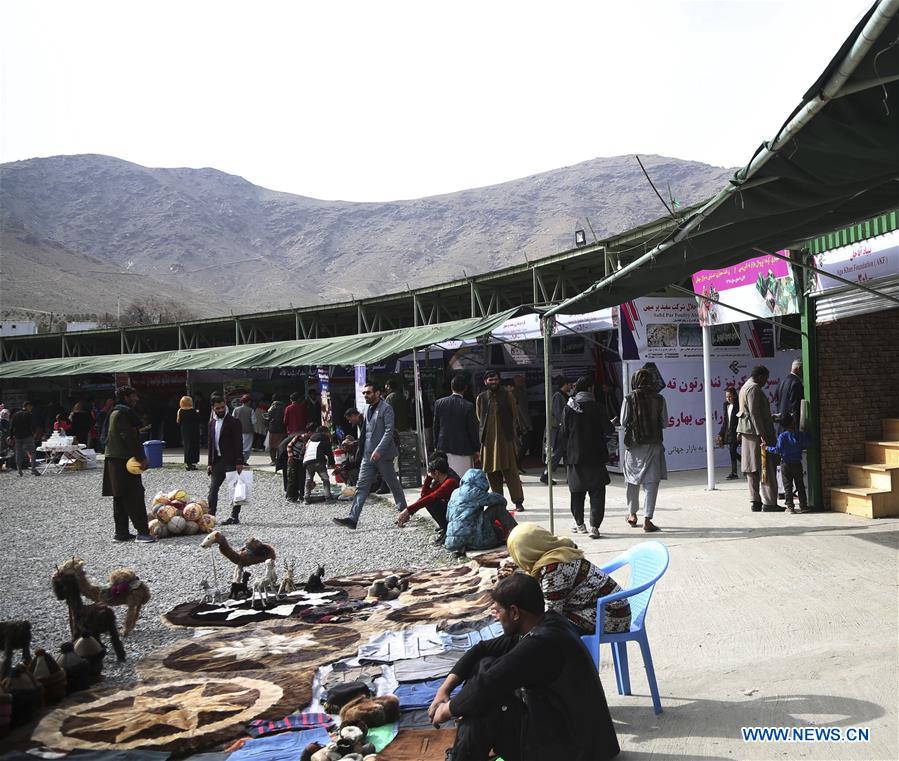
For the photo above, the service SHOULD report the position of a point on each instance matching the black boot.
(234, 520)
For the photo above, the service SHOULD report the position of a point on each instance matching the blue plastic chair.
(648, 562)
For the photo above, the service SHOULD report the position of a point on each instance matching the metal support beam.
(547, 324)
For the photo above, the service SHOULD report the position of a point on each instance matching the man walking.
(728, 433)
(225, 454)
(378, 453)
(246, 416)
(22, 430)
(276, 430)
(396, 399)
(497, 420)
(456, 427)
(125, 488)
(557, 407)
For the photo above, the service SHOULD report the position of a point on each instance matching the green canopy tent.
(343, 350)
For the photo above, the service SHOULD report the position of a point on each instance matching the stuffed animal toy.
(314, 582)
(389, 588)
(93, 652)
(374, 712)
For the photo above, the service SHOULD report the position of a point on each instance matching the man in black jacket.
(789, 401)
(22, 429)
(456, 428)
(530, 695)
(225, 454)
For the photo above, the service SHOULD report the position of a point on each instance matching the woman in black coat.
(189, 421)
(583, 437)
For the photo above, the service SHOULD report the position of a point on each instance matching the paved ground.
(763, 619)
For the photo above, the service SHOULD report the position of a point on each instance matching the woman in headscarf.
(583, 442)
(643, 415)
(471, 514)
(189, 421)
(571, 584)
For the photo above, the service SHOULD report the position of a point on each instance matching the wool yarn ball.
(159, 529)
(190, 528)
(206, 522)
(176, 524)
(192, 511)
(166, 513)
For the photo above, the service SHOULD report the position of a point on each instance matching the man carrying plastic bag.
(241, 484)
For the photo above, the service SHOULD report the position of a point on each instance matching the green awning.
(343, 350)
(834, 162)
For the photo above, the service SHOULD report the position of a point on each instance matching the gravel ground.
(45, 520)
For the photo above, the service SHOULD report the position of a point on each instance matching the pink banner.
(745, 273)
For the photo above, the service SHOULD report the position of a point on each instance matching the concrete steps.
(873, 488)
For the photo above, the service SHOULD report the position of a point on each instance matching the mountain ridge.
(216, 242)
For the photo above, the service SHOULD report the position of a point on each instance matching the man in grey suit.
(378, 454)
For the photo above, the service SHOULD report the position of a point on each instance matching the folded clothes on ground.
(418, 694)
(426, 667)
(419, 745)
(391, 646)
(286, 746)
(261, 727)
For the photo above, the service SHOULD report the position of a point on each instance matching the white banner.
(527, 326)
(685, 436)
(868, 260)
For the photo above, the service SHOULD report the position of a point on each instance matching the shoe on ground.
(345, 522)
(232, 521)
(574, 528)
(790, 509)
(439, 539)
(632, 523)
(802, 509)
(545, 480)
(123, 538)
(649, 527)
(581, 528)
(732, 477)
(772, 509)
(145, 538)
(519, 508)
(756, 507)
(35, 473)
(594, 532)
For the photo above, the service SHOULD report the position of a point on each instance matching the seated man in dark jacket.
(562, 713)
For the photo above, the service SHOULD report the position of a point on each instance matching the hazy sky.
(384, 100)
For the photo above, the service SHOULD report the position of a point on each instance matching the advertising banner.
(762, 286)
(668, 328)
(360, 384)
(527, 326)
(324, 395)
(684, 439)
(861, 262)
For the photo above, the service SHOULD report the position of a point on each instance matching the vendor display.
(175, 514)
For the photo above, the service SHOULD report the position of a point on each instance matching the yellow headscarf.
(186, 403)
(532, 547)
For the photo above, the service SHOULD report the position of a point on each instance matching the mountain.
(215, 243)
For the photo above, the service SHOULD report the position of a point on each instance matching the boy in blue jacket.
(789, 446)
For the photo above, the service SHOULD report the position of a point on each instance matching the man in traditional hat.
(498, 423)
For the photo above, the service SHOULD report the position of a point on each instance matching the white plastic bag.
(242, 484)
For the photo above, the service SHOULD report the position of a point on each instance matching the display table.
(59, 456)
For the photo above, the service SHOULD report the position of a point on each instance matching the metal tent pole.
(547, 323)
(707, 372)
(419, 418)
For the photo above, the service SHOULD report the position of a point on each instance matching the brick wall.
(858, 376)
